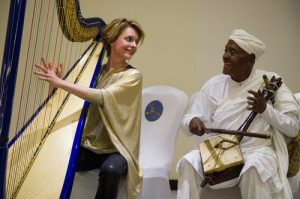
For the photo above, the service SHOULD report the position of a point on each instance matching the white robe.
(222, 103)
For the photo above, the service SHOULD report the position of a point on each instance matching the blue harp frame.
(78, 29)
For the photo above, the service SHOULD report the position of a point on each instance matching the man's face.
(237, 62)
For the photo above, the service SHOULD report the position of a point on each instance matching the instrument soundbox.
(221, 156)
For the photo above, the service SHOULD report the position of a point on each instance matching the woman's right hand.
(49, 73)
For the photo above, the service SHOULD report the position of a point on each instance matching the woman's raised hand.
(49, 73)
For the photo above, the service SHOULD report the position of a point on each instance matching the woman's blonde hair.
(113, 30)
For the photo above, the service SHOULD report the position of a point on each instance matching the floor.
(219, 195)
(174, 194)
(85, 186)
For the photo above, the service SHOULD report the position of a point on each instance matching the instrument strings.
(217, 151)
(42, 37)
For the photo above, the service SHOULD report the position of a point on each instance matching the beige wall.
(185, 39)
(4, 9)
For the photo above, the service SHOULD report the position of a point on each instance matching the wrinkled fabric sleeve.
(285, 114)
(199, 106)
(94, 96)
(195, 107)
(286, 123)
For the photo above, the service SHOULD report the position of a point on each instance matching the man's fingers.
(200, 130)
(260, 93)
(196, 126)
(251, 99)
(255, 94)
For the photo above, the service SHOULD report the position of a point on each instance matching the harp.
(41, 127)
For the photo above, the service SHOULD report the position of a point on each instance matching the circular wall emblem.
(153, 110)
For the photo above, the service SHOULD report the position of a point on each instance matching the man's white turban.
(247, 42)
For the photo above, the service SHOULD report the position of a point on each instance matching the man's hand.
(196, 126)
(257, 102)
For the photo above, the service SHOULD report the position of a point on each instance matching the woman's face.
(126, 44)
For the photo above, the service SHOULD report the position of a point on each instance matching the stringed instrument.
(221, 155)
(33, 121)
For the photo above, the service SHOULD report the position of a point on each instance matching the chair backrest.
(162, 111)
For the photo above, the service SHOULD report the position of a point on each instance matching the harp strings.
(15, 168)
(45, 40)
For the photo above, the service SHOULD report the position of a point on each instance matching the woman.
(111, 136)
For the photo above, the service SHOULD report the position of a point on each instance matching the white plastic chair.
(162, 111)
(157, 143)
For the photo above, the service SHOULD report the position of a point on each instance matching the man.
(224, 102)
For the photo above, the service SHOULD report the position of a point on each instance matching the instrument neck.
(246, 124)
